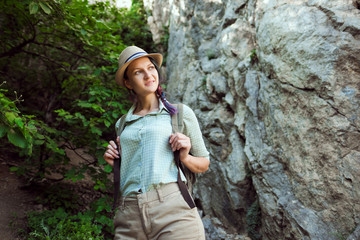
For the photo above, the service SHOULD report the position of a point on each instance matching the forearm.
(196, 164)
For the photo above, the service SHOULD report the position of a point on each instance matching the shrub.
(58, 225)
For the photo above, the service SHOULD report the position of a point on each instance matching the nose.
(146, 74)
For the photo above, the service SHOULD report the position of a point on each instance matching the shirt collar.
(130, 116)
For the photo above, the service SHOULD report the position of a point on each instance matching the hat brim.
(119, 76)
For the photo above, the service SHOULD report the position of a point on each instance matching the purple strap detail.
(138, 54)
(172, 110)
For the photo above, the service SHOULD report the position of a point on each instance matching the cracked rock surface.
(276, 87)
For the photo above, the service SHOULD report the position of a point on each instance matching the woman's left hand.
(179, 141)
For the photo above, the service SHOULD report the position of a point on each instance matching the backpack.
(177, 126)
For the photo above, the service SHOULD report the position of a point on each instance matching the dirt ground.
(14, 202)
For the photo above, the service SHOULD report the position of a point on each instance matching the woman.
(151, 205)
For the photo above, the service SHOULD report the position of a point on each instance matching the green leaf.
(107, 123)
(84, 104)
(33, 8)
(115, 115)
(103, 23)
(97, 72)
(45, 7)
(39, 142)
(83, 32)
(14, 169)
(96, 130)
(19, 122)
(83, 68)
(3, 130)
(10, 117)
(39, 136)
(5, 101)
(16, 138)
(108, 169)
(101, 160)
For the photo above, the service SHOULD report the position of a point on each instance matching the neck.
(146, 104)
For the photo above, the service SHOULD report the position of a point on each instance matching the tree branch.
(63, 49)
(47, 59)
(18, 48)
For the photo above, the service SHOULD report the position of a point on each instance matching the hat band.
(136, 55)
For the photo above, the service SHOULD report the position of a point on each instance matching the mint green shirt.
(147, 160)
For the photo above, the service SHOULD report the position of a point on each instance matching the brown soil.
(14, 203)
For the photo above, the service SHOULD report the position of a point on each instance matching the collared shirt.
(147, 160)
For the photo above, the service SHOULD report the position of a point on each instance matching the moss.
(253, 220)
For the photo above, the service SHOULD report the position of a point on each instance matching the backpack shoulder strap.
(178, 126)
(119, 127)
(177, 119)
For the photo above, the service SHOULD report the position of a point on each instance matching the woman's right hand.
(112, 151)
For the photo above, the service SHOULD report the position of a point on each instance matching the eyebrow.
(146, 66)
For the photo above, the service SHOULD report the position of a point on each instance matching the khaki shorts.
(158, 214)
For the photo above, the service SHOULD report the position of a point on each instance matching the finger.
(111, 148)
(174, 144)
(113, 144)
(172, 136)
(175, 139)
(113, 153)
(171, 140)
(108, 156)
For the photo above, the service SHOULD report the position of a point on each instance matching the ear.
(127, 84)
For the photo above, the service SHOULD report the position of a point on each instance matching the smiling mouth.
(149, 83)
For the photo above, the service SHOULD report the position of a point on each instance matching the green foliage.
(203, 83)
(253, 57)
(58, 224)
(253, 221)
(58, 196)
(64, 220)
(15, 126)
(60, 56)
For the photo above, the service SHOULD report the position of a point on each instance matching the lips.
(149, 83)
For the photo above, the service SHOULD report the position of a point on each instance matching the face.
(142, 76)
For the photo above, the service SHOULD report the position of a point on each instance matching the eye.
(137, 72)
(152, 67)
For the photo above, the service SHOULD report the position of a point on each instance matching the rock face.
(275, 85)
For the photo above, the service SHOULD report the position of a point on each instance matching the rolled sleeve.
(192, 130)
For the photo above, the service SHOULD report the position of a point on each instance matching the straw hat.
(128, 55)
